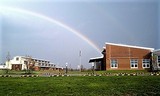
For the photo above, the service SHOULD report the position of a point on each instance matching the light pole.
(93, 67)
(66, 67)
(80, 61)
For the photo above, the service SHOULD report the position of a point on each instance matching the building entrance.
(16, 66)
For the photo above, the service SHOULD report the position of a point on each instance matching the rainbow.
(4, 9)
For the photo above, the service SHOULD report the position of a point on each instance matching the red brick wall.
(123, 54)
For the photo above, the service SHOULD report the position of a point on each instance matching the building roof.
(57, 66)
(40, 59)
(96, 59)
(157, 51)
(31, 58)
(123, 45)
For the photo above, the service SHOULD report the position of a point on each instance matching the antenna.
(8, 57)
(8, 60)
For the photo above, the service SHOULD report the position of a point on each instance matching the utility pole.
(8, 56)
(80, 61)
(8, 60)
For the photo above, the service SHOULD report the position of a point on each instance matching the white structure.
(96, 62)
(3, 67)
(156, 59)
(22, 62)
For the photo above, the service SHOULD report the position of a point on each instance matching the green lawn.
(80, 86)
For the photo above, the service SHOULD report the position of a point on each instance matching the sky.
(57, 30)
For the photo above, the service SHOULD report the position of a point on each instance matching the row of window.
(17, 59)
(40, 61)
(133, 63)
(50, 65)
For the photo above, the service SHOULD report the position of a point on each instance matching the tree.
(154, 62)
(29, 64)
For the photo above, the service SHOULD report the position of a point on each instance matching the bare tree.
(154, 62)
(29, 64)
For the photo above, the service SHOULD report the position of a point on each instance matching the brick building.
(124, 57)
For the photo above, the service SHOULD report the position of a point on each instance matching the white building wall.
(156, 62)
(16, 60)
(8, 65)
(21, 60)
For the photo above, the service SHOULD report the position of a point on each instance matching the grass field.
(80, 86)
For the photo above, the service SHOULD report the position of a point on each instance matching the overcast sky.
(57, 30)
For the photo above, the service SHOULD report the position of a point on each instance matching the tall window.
(146, 63)
(114, 63)
(158, 61)
(134, 63)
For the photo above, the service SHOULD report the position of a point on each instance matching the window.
(114, 63)
(25, 62)
(35, 60)
(134, 63)
(17, 59)
(158, 61)
(146, 63)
